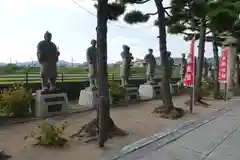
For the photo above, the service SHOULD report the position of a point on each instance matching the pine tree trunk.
(102, 126)
(216, 62)
(237, 72)
(167, 97)
(103, 94)
(238, 64)
(201, 50)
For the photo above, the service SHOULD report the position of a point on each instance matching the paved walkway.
(215, 139)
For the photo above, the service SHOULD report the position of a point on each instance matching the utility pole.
(72, 61)
(32, 61)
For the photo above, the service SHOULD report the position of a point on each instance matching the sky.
(23, 24)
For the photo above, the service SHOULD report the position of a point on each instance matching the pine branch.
(192, 29)
(185, 33)
(136, 16)
(141, 2)
(151, 14)
(190, 26)
(167, 13)
(123, 2)
(208, 32)
(169, 7)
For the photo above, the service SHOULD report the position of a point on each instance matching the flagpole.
(193, 85)
(189, 79)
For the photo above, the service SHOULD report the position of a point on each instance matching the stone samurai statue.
(205, 68)
(183, 66)
(92, 64)
(126, 64)
(171, 63)
(150, 62)
(210, 72)
(48, 54)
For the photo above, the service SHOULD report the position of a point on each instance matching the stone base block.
(47, 105)
(131, 93)
(174, 88)
(230, 94)
(147, 91)
(88, 98)
(171, 89)
(236, 92)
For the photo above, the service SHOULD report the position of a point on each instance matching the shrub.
(117, 92)
(221, 95)
(15, 101)
(206, 89)
(50, 135)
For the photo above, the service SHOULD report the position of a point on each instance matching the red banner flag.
(189, 75)
(222, 69)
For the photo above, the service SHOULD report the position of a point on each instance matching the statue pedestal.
(131, 93)
(173, 88)
(149, 90)
(50, 104)
(88, 98)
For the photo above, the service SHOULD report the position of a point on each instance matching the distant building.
(138, 63)
(158, 61)
(111, 65)
(85, 64)
(177, 61)
(118, 64)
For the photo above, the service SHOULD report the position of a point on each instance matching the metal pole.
(193, 90)
(62, 77)
(193, 85)
(225, 92)
(26, 77)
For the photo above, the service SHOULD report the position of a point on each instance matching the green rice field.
(65, 76)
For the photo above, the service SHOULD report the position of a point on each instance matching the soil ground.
(136, 119)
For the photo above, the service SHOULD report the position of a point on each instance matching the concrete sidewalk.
(217, 138)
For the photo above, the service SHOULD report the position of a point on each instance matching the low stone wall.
(73, 88)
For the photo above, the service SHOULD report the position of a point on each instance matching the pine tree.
(167, 110)
(217, 33)
(102, 127)
(198, 19)
(235, 32)
(230, 10)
